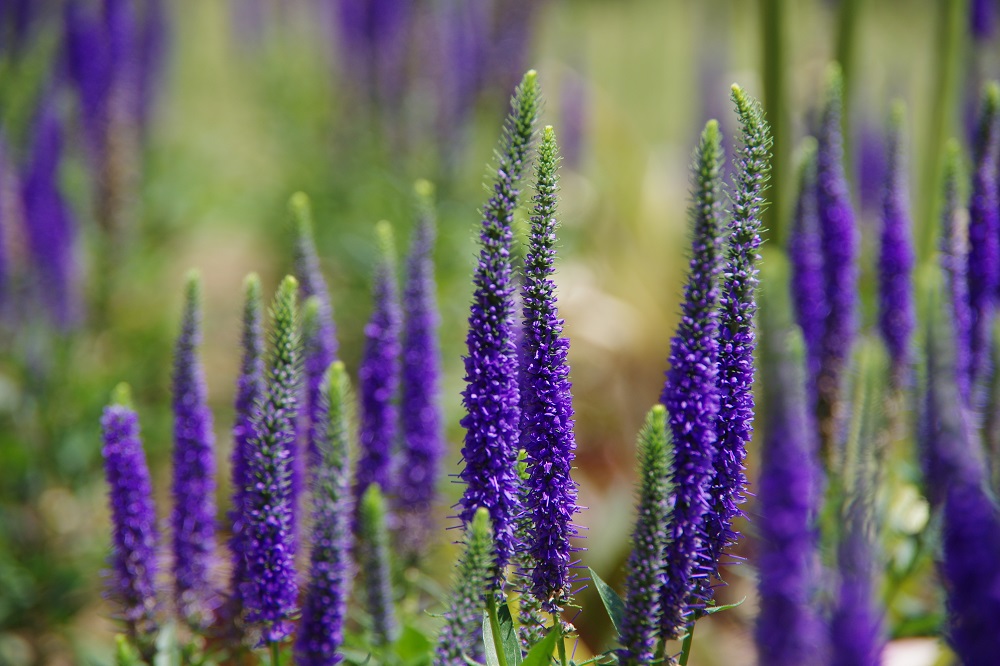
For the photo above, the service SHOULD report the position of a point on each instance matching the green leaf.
(612, 602)
(712, 610)
(508, 638)
(412, 647)
(540, 653)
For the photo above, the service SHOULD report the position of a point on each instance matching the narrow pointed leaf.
(612, 602)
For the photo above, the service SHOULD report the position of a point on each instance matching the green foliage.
(613, 603)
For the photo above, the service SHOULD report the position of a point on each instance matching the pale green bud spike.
(375, 561)
(386, 241)
(301, 210)
(122, 395)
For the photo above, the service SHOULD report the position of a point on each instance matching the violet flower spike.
(373, 557)
(690, 392)
(954, 252)
(896, 260)
(806, 256)
(839, 242)
(738, 307)
(250, 387)
(271, 591)
(378, 376)
(324, 608)
(420, 412)
(984, 231)
(193, 519)
(547, 436)
(132, 584)
(645, 571)
(491, 397)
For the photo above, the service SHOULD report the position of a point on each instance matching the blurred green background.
(244, 120)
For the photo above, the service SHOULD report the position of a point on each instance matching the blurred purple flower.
(982, 19)
(954, 253)
(871, 165)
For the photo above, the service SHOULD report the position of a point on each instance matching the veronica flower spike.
(896, 257)
(984, 230)
(271, 591)
(645, 569)
(378, 376)
(373, 555)
(420, 412)
(690, 393)
(132, 582)
(491, 397)
(324, 608)
(839, 242)
(738, 306)
(249, 392)
(546, 402)
(193, 518)
(954, 253)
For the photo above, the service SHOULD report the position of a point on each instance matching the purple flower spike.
(954, 252)
(806, 255)
(491, 397)
(546, 402)
(423, 441)
(193, 518)
(839, 243)
(271, 592)
(896, 257)
(320, 345)
(984, 231)
(134, 537)
(738, 306)
(378, 376)
(690, 393)
(856, 625)
(982, 19)
(49, 222)
(249, 393)
(789, 628)
(972, 573)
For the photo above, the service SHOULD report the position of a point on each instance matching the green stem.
(275, 654)
(560, 642)
(491, 606)
(686, 647)
(772, 22)
(661, 652)
(847, 28)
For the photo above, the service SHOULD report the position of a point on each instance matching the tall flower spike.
(324, 608)
(271, 592)
(789, 627)
(420, 417)
(546, 402)
(806, 256)
(691, 393)
(491, 397)
(249, 393)
(984, 231)
(839, 241)
(738, 306)
(373, 555)
(896, 256)
(954, 252)
(378, 376)
(971, 573)
(645, 571)
(193, 519)
(472, 581)
(991, 421)
(319, 348)
(134, 536)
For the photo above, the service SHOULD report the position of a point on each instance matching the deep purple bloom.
(972, 573)
(690, 392)
(378, 376)
(89, 65)
(806, 255)
(324, 607)
(491, 397)
(270, 592)
(319, 346)
(984, 231)
(250, 388)
(896, 258)
(839, 242)
(645, 570)
(374, 44)
(49, 223)
(789, 627)
(982, 19)
(954, 252)
(870, 166)
(193, 517)
(420, 412)
(546, 401)
(154, 37)
(134, 537)
(737, 331)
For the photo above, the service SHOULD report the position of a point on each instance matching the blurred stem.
(686, 646)
(560, 642)
(275, 654)
(847, 28)
(773, 45)
(944, 97)
(491, 607)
